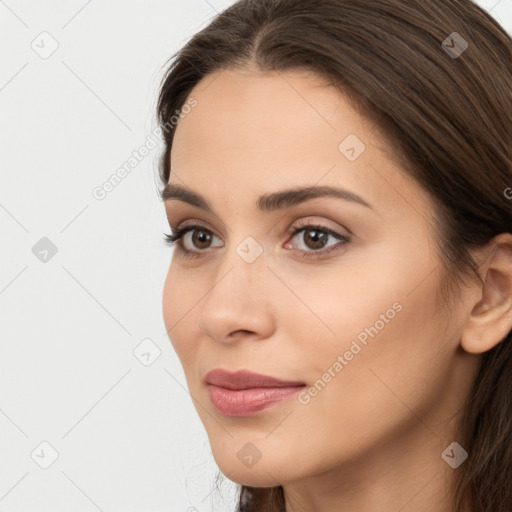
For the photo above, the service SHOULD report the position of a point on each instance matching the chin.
(252, 479)
(262, 473)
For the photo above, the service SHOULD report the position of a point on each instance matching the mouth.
(247, 402)
(244, 393)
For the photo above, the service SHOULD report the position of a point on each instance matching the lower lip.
(247, 402)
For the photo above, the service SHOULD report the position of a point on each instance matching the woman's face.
(357, 321)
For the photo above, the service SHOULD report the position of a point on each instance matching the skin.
(371, 439)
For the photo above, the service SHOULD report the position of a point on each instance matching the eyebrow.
(267, 202)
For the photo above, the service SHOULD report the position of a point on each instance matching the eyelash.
(171, 239)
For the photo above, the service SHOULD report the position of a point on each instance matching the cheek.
(370, 343)
(178, 302)
(373, 294)
(388, 356)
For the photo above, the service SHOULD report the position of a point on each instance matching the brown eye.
(315, 239)
(201, 238)
(192, 239)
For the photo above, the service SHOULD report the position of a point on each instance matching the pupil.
(201, 237)
(317, 238)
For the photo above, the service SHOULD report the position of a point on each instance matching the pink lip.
(245, 393)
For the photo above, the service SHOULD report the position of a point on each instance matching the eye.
(193, 239)
(193, 235)
(315, 238)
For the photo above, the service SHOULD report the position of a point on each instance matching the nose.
(237, 305)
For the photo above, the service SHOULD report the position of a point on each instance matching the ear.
(490, 320)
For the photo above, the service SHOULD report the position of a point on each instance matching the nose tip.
(228, 314)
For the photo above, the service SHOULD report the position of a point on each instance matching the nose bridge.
(236, 299)
(243, 263)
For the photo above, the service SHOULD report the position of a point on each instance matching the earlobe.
(490, 320)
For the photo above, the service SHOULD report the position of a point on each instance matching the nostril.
(245, 331)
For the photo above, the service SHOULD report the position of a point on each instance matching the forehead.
(265, 112)
(258, 132)
(267, 122)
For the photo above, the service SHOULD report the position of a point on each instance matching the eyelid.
(173, 218)
(309, 222)
(191, 222)
(303, 222)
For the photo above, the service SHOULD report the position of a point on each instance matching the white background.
(127, 435)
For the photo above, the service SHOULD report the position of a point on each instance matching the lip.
(245, 393)
(243, 379)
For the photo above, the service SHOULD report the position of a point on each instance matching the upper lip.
(243, 379)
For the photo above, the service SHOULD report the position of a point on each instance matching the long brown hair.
(444, 103)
